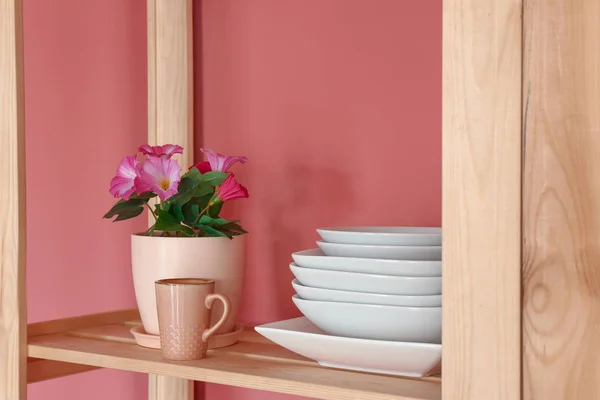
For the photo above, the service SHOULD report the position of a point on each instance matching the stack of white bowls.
(382, 283)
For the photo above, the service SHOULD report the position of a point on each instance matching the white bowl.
(383, 235)
(367, 321)
(426, 253)
(368, 283)
(384, 357)
(315, 258)
(343, 296)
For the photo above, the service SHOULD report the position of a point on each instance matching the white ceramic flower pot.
(155, 258)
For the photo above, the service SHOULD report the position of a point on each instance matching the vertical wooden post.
(170, 75)
(561, 202)
(170, 116)
(13, 320)
(482, 200)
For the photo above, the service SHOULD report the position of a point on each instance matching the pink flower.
(219, 162)
(164, 151)
(159, 175)
(122, 185)
(230, 190)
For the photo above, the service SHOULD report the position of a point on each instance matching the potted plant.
(189, 238)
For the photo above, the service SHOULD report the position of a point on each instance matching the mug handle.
(210, 299)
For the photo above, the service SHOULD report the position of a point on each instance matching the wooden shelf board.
(254, 363)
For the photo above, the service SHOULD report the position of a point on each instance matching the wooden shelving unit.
(481, 220)
(521, 90)
(105, 341)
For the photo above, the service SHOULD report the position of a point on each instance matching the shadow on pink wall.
(337, 104)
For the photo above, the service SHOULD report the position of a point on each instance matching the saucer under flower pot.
(215, 342)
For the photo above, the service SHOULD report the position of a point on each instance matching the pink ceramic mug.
(184, 310)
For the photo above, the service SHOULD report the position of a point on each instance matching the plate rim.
(375, 276)
(350, 340)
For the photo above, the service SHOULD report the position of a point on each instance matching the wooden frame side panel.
(561, 200)
(170, 116)
(13, 319)
(482, 200)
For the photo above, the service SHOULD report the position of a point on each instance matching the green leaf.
(168, 223)
(186, 184)
(215, 178)
(201, 201)
(211, 231)
(187, 230)
(185, 191)
(182, 198)
(143, 196)
(234, 227)
(229, 234)
(119, 206)
(128, 213)
(228, 231)
(125, 206)
(177, 212)
(193, 174)
(166, 217)
(190, 213)
(203, 189)
(191, 187)
(206, 220)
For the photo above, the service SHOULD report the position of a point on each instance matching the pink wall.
(85, 94)
(337, 103)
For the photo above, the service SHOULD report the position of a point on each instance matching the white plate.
(366, 321)
(427, 253)
(394, 358)
(383, 235)
(368, 283)
(315, 258)
(312, 293)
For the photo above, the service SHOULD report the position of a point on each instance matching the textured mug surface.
(184, 314)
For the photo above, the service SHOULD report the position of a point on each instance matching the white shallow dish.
(424, 253)
(394, 358)
(383, 235)
(343, 296)
(315, 258)
(366, 321)
(368, 283)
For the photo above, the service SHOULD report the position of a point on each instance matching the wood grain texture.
(253, 363)
(170, 115)
(166, 387)
(248, 342)
(561, 200)
(13, 319)
(170, 75)
(481, 199)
